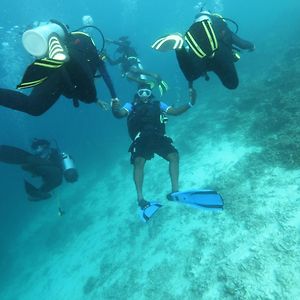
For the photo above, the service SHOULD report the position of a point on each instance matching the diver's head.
(144, 93)
(87, 20)
(124, 40)
(123, 43)
(40, 147)
(202, 15)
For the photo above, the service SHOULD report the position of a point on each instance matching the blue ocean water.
(99, 143)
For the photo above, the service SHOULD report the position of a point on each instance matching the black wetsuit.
(222, 63)
(49, 169)
(74, 80)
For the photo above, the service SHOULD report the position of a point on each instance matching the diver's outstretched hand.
(103, 105)
(115, 103)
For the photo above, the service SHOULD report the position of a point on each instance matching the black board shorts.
(147, 146)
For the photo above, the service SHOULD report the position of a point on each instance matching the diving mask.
(144, 93)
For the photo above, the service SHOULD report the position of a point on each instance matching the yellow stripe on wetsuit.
(31, 83)
(48, 63)
(194, 46)
(211, 35)
(211, 39)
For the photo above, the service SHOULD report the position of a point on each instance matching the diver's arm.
(107, 79)
(36, 161)
(241, 43)
(34, 164)
(176, 111)
(137, 79)
(109, 41)
(150, 74)
(118, 111)
(154, 79)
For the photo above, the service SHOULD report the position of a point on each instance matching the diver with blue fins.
(47, 162)
(146, 123)
(146, 119)
(208, 45)
(66, 64)
(131, 66)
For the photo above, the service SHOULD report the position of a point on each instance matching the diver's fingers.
(103, 105)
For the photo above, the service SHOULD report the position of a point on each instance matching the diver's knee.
(35, 112)
(231, 85)
(173, 157)
(139, 162)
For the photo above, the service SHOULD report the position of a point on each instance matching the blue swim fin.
(205, 199)
(148, 211)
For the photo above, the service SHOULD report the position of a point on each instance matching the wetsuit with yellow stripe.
(73, 79)
(210, 45)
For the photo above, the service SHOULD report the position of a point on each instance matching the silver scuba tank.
(69, 169)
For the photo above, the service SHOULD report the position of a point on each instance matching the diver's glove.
(115, 105)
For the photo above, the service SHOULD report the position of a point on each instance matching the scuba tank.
(69, 169)
(45, 40)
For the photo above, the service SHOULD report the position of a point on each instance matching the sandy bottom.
(100, 250)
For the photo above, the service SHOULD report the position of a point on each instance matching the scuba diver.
(208, 45)
(67, 64)
(46, 162)
(131, 66)
(146, 118)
